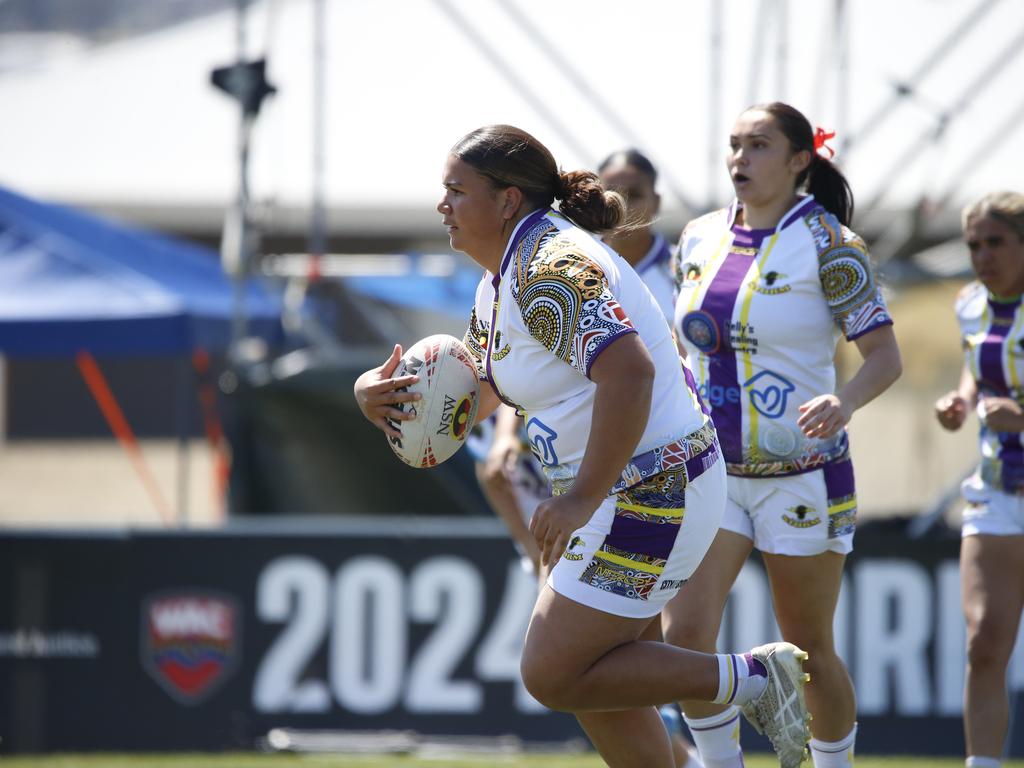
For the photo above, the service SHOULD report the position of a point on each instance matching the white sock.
(693, 759)
(973, 761)
(718, 738)
(834, 754)
(741, 678)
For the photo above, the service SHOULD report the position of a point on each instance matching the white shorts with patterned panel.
(990, 511)
(641, 545)
(801, 515)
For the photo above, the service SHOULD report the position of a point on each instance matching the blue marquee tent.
(71, 282)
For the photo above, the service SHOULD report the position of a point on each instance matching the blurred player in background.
(992, 551)
(569, 337)
(766, 288)
(633, 176)
(511, 478)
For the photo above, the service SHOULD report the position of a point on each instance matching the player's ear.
(800, 161)
(512, 202)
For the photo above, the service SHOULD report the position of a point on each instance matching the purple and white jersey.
(655, 269)
(760, 313)
(992, 334)
(560, 298)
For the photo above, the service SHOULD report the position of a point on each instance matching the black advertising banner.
(207, 640)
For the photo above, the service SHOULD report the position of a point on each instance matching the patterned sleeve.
(568, 307)
(851, 290)
(476, 342)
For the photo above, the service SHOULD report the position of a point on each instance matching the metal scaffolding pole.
(781, 49)
(842, 38)
(904, 89)
(318, 223)
(714, 102)
(927, 137)
(537, 36)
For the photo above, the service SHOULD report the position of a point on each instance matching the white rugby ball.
(450, 396)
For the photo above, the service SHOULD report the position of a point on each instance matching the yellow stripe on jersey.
(1008, 362)
(751, 278)
(711, 269)
(974, 341)
(652, 511)
(635, 565)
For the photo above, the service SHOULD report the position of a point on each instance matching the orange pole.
(100, 390)
(214, 432)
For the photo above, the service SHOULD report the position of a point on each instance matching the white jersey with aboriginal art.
(992, 334)
(560, 298)
(760, 313)
(655, 269)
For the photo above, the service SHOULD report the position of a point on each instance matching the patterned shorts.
(643, 543)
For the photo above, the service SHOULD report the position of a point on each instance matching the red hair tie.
(820, 137)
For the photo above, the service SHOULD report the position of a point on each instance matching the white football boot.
(780, 712)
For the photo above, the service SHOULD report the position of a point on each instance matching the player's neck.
(765, 216)
(632, 246)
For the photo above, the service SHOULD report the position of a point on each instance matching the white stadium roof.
(136, 124)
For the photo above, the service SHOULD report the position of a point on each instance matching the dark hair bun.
(586, 202)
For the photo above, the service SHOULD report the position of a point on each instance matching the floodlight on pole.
(246, 82)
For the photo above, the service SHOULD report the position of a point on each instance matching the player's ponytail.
(585, 201)
(830, 188)
(510, 157)
(821, 177)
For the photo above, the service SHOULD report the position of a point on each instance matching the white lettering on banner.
(368, 641)
(449, 588)
(949, 641)
(292, 590)
(38, 644)
(368, 663)
(841, 622)
(898, 625)
(751, 609)
(497, 659)
(1016, 671)
(893, 629)
(186, 617)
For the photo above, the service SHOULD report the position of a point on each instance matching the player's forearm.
(881, 368)
(622, 405)
(968, 388)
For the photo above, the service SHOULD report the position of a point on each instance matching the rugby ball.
(450, 396)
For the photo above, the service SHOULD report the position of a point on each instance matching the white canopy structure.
(925, 96)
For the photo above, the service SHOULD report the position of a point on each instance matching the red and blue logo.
(190, 642)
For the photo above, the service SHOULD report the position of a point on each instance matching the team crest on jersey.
(190, 642)
(702, 331)
(690, 272)
(499, 352)
(801, 516)
(577, 541)
(769, 285)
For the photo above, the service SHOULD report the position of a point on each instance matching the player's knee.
(544, 684)
(988, 645)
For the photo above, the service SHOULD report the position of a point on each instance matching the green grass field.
(402, 761)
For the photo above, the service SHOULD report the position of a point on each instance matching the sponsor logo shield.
(190, 642)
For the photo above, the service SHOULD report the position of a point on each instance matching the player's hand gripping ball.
(450, 396)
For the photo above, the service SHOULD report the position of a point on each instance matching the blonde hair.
(1007, 207)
